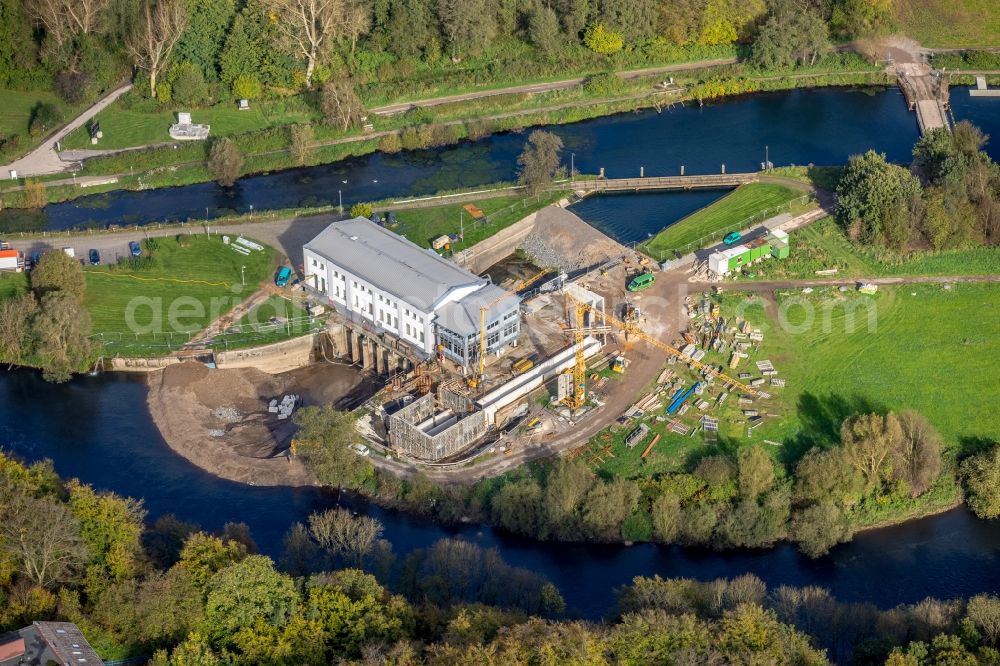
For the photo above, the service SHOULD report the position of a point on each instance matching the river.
(818, 126)
(97, 429)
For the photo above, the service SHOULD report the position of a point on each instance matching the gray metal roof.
(414, 274)
(463, 317)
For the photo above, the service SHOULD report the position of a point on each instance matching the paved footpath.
(44, 159)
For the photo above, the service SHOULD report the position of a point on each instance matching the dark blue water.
(98, 430)
(633, 217)
(819, 126)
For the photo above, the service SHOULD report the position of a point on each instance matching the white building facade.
(371, 274)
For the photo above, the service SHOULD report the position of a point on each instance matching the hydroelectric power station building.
(372, 275)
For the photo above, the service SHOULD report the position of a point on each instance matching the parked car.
(732, 237)
(283, 276)
(134, 248)
(95, 258)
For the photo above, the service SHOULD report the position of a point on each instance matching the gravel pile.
(230, 414)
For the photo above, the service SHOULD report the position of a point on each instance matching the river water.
(819, 126)
(98, 430)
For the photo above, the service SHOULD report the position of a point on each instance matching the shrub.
(601, 40)
(44, 118)
(247, 86)
(478, 128)
(442, 135)
(604, 85)
(72, 86)
(419, 115)
(410, 139)
(225, 162)
(164, 92)
(151, 244)
(390, 143)
(188, 84)
(361, 210)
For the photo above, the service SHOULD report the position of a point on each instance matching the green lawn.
(822, 245)
(126, 127)
(746, 205)
(184, 288)
(16, 114)
(256, 327)
(950, 23)
(932, 349)
(12, 284)
(423, 225)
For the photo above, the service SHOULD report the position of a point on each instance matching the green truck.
(641, 281)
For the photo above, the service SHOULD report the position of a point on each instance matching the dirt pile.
(562, 239)
(218, 419)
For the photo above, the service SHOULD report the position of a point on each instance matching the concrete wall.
(274, 358)
(487, 252)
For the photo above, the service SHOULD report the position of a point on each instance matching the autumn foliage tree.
(539, 161)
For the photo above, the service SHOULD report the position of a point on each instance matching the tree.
(518, 507)
(599, 39)
(607, 505)
(825, 476)
(565, 487)
(868, 440)
(111, 527)
(203, 556)
(634, 20)
(299, 552)
(756, 471)
(41, 536)
(468, 25)
(247, 86)
(345, 535)
(65, 19)
(984, 612)
(917, 457)
(539, 161)
(357, 21)
(307, 27)
(871, 193)
(362, 209)
(15, 326)
(340, 105)
(156, 35)
(187, 84)
(61, 330)
(57, 271)
(324, 442)
(205, 33)
(225, 162)
(819, 528)
(543, 29)
(793, 32)
(300, 143)
(981, 473)
(666, 515)
(245, 593)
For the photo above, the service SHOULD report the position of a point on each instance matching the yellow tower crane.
(475, 381)
(642, 335)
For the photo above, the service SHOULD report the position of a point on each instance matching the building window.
(421, 336)
(510, 330)
(314, 262)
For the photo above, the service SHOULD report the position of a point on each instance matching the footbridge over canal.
(711, 181)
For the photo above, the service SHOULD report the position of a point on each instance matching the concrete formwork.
(436, 427)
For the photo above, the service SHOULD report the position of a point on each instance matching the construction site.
(581, 329)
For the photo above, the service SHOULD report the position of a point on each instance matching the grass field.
(12, 284)
(124, 128)
(17, 110)
(184, 288)
(257, 328)
(950, 23)
(745, 205)
(822, 245)
(423, 225)
(932, 349)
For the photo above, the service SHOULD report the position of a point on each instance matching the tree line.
(184, 597)
(948, 198)
(883, 467)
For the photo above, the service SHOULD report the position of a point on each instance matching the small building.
(774, 244)
(376, 277)
(45, 643)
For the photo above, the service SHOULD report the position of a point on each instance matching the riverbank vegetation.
(746, 205)
(949, 23)
(175, 595)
